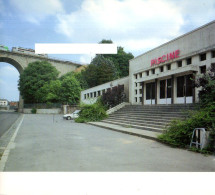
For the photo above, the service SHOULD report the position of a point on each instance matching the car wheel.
(68, 118)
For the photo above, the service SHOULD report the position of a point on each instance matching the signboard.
(165, 58)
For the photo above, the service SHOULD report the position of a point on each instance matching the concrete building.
(90, 96)
(164, 75)
(3, 102)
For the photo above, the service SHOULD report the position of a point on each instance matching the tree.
(207, 84)
(70, 90)
(35, 76)
(91, 75)
(79, 77)
(100, 71)
(120, 60)
(113, 96)
(50, 92)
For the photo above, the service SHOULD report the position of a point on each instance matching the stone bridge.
(21, 60)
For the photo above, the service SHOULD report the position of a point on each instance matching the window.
(91, 95)
(203, 57)
(85, 96)
(95, 94)
(140, 91)
(161, 69)
(141, 99)
(213, 67)
(135, 99)
(99, 93)
(135, 76)
(147, 73)
(153, 71)
(179, 63)
(140, 75)
(168, 66)
(88, 95)
(189, 61)
(203, 69)
(213, 54)
(135, 91)
(136, 84)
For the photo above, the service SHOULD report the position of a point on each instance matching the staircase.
(148, 117)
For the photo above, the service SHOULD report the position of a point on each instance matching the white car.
(72, 116)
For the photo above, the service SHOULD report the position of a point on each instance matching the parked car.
(71, 116)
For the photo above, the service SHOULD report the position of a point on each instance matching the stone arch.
(20, 69)
(13, 62)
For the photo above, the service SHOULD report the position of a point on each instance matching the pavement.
(128, 130)
(48, 143)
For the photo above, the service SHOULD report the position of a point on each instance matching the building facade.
(165, 75)
(90, 96)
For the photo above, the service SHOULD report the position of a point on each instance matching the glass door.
(184, 89)
(150, 93)
(165, 91)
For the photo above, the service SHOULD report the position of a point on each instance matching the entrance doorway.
(150, 93)
(166, 91)
(184, 89)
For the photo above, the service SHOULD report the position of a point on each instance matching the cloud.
(36, 10)
(128, 22)
(197, 12)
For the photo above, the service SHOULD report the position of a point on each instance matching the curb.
(125, 132)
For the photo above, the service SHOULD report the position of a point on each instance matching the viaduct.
(21, 60)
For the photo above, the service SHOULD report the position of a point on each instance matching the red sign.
(165, 58)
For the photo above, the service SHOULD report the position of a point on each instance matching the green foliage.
(34, 77)
(108, 67)
(70, 90)
(180, 131)
(33, 110)
(207, 83)
(121, 61)
(90, 113)
(79, 76)
(50, 92)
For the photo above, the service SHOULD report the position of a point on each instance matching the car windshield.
(76, 112)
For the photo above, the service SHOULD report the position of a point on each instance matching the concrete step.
(145, 120)
(139, 123)
(131, 131)
(146, 128)
(149, 114)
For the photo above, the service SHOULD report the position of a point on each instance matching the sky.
(136, 25)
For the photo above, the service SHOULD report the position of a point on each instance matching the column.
(194, 89)
(156, 85)
(172, 90)
(142, 93)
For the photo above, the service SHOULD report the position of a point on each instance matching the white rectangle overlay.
(75, 48)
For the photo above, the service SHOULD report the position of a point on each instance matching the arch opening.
(9, 76)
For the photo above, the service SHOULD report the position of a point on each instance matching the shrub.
(94, 112)
(180, 131)
(33, 110)
(113, 96)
